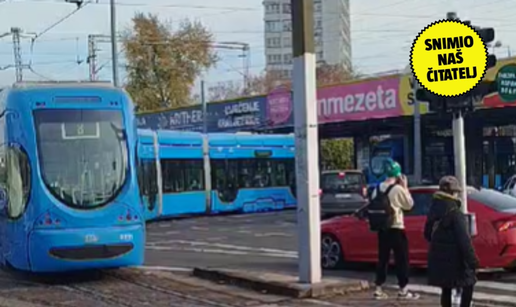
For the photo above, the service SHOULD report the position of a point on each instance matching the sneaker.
(456, 297)
(407, 295)
(379, 294)
(456, 300)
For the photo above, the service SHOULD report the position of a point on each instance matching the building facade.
(332, 34)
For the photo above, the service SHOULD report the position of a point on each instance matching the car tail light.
(320, 192)
(505, 225)
(364, 191)
(342, 175)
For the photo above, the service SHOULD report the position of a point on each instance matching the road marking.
(164, 268)
(273, 234)
(220, 251)
(199, 228)
(496, 285)
(216, 239)
(323, 303)
(477, 296)
(227, 246)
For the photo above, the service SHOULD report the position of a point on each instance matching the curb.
(281, 284)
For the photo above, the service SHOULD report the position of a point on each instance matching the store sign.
(242, 115)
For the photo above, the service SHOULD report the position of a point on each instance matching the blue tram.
(69, 195)
(185, 173)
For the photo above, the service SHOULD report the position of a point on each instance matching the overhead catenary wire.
(360, 34)
(41, 33)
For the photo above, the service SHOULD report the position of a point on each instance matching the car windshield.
(495, 200)
(341, 182)
(83, 155)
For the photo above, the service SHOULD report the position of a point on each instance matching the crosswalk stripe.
(477, 296)
(496, 285)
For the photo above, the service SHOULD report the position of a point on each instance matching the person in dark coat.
(452, 261)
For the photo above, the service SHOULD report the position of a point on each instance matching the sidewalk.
(331, 291)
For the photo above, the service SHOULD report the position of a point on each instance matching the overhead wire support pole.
(114, 45)
(92, 57)
(418, 160)
(18, 64)
(206, 147)
(307, 147)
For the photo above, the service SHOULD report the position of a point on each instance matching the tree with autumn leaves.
(163, 63)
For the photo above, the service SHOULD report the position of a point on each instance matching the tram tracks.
(118, 289)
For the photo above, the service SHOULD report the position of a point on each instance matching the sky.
(382, 32)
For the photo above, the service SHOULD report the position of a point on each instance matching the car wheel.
(331, 252)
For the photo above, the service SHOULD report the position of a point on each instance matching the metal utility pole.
(246, 56)
(418, 160)
(204, 108)
(206, 147)
(17, 54)
(114, 46)
(459, 145)
(307, 147)
(92, 57)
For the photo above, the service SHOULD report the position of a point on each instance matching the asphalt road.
(265, 241)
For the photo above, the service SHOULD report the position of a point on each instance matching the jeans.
(465, 300)
(393, 240)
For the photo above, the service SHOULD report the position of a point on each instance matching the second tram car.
(239, 173)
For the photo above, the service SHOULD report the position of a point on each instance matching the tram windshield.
(83, 155)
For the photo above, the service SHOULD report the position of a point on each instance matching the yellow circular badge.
(448, 58)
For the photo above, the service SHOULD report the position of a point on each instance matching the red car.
(348, 238)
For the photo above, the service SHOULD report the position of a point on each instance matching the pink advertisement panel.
(377, 98)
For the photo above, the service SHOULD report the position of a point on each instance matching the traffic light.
(488, 36)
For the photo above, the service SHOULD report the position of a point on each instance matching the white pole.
(459, 148)
(307, 151)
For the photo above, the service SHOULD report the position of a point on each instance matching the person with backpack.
(385, 213)
(452, 260)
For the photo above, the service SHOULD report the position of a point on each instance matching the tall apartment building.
(331, 30)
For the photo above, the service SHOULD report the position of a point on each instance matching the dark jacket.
(452, 261)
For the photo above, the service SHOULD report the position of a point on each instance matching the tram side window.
(17, 181)
(148, 177)
(252, 173)
(225, 174)
(182, 175)
(291, 175)
(279, 171)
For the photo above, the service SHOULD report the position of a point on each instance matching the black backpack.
(379, 211)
